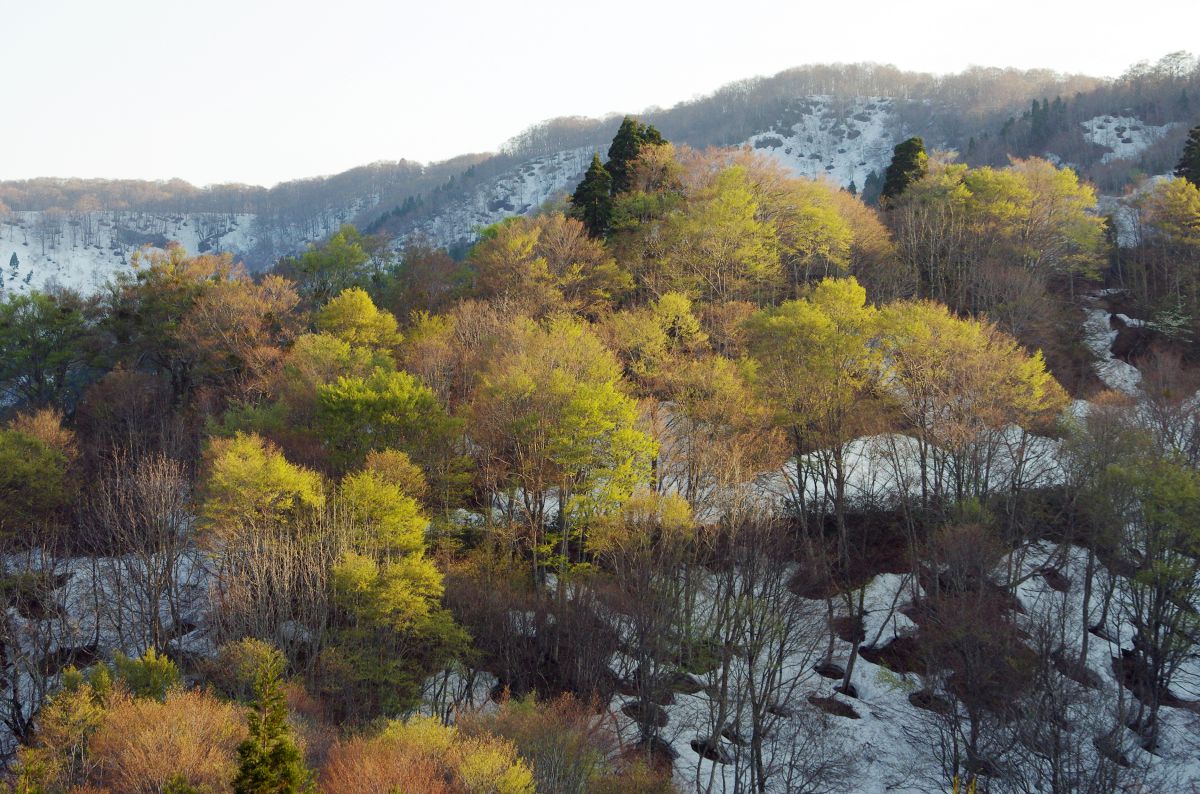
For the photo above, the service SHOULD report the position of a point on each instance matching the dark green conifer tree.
(909, 163)
(592, 200)
(626, 145)
(872, 185)
(269, 762)
(1189, 164)
(1037, 124)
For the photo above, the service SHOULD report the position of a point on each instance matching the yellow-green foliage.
(554, 409)
(251, 484)
(958, 377)
(720, 248)
(387, 517)
(396, 593)
(385, 410)
(354, 318)
(818, 360)
(151, 676)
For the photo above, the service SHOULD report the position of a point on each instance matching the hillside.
(836, 122)
(718, 479)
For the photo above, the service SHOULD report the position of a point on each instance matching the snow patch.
(1125, 136)
(840, 140)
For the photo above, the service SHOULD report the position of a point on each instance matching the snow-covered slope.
(839, 140)
(83, 250)
(1125, 137)
(820, 138)
(519, 191)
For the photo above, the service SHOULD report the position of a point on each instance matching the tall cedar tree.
(269, 762)
(909, 163)
(626, 145)
(592, 200)
(1189, 163)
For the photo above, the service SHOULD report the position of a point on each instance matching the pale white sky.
(261, 91)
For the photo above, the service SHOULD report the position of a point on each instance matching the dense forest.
(678, 484)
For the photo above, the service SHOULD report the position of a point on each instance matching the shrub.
(188, 739)
(424, 755)
(152, 676)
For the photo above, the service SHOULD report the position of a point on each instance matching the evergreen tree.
(872, 186)
(1189, 164)
(852, 188)
(1060, 115)
(1037, 124)
(909, 163)
(269, 761)
(592, 200)
(14, 264)
(626, 145)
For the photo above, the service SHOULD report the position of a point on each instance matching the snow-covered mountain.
(821, 137)
(833, 122)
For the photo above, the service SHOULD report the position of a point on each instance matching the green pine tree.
(909, 163)
(592, 200)
(14, 264)
(269, 762)
(1189, 164)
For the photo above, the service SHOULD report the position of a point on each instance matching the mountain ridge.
(835, 121)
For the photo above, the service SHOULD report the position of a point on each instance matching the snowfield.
(83, 251)
(1099, 336)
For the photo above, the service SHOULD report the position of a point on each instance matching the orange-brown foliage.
(144, 743)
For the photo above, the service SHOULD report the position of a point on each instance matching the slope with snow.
(1124, 136)
(821, 138)
(839, 140)
(520, 191)
(82, 252)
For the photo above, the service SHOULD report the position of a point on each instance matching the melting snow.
(1099, 336)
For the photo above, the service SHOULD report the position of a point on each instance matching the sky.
(262, 91)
